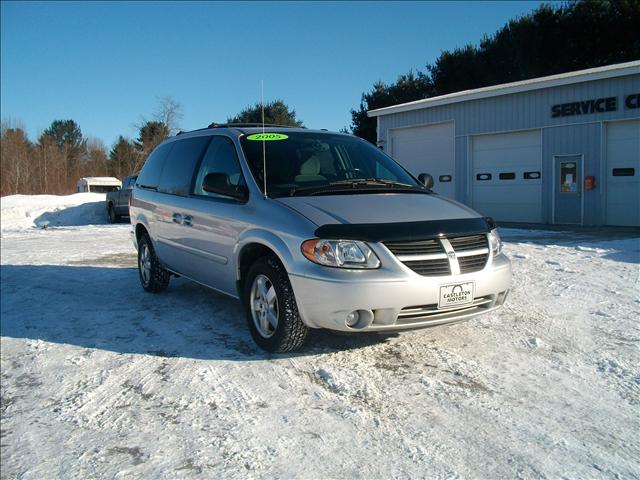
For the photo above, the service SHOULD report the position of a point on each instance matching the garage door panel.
(623, 173)
(518, 156)
(427, 149)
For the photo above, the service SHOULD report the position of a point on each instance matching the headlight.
(495, 242)
(340, 253)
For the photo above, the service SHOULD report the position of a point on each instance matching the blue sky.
(105, 64)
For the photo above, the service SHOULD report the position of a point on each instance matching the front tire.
(272, 312)
(154, 277)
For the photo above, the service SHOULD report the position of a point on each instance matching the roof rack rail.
(240, 125)
(189, 131)
(236, 125)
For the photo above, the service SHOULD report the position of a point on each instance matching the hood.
(377, 208)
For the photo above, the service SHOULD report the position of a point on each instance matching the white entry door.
(427, 149)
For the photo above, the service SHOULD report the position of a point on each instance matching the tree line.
(554, 38)
(61, 154)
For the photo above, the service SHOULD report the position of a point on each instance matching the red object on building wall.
(589, 182)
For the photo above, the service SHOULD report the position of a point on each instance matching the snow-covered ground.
(100, 379)
(23, 212)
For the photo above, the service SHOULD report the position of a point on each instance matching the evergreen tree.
(552, 39)
(276, 112)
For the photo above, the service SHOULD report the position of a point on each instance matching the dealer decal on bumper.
(456, 295)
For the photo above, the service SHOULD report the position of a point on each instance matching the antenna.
(264, 146)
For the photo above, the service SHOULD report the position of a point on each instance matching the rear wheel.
(153, 276)
(272, 312)
(113, 218)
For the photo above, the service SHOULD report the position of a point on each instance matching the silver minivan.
(311, 229)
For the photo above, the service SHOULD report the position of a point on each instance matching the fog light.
(352, 319)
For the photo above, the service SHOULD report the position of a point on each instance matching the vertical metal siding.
(579, 134)
(521, 111)
(569, 140)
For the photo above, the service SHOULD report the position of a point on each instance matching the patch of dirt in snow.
(100, 379)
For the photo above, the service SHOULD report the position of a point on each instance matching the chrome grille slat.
(430, 267)
(421, 247)
(432, 310)
(471, 242)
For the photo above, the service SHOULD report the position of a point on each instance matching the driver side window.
(220, 157)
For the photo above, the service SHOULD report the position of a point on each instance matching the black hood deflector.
(406, 231)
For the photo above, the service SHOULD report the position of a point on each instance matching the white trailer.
(98, 184)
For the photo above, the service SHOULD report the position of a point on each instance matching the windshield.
(306, 162)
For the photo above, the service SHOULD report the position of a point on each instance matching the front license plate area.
(456, 295)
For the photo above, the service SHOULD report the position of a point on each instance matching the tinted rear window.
(180, 165)
(152, 169)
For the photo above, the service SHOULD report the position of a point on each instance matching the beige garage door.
(427, 149)
(507, 176)
(623, 173)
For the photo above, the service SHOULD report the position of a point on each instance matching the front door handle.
(187, 220)
(177, 218)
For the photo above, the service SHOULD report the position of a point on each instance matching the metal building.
(563, 149)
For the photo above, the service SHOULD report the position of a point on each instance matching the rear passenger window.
(152, 169)
(221, 157)
(181, 164)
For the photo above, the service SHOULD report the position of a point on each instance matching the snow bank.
(22, 212)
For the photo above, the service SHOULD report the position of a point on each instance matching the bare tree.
(96, 160)
(169, 112)
(15, 154)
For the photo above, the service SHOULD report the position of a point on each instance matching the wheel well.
(140, 231)
(248, 255)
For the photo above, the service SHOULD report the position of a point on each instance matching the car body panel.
(376, 208)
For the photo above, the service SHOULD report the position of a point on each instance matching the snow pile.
(22, 212)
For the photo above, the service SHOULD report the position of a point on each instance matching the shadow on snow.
(105, 308)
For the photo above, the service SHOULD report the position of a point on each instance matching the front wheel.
(272, 312)
(153, 276)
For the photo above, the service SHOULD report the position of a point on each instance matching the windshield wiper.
(371, 181)
(360, 184)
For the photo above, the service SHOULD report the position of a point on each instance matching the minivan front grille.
(430, 257)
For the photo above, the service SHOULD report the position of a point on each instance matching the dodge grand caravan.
(311, 229)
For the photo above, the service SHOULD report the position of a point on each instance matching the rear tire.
(272, 312)
(154, 277)
(113, 218)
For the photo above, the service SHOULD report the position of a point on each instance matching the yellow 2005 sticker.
(267, 136)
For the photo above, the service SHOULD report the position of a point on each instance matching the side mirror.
(426, 180)
(219, 183)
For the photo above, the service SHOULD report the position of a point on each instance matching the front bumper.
(401, 302)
